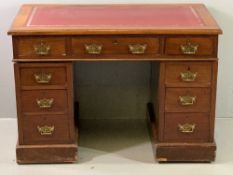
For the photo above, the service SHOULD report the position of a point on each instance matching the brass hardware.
(115, 42)
(187, 100)
(45, 103)
(137, 48)
(188, 76)
(189, 48)
(94, 49)
(186, 128)
(42, 49)
(45, 130)
(42, 77)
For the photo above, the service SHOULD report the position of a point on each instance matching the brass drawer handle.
(45, 103)
(188, 76)
(137, 48)
(94, 49)
(43, 78)
(42, 49)
(189, 48)
(186, 128)
(187, 100)
(45, 130)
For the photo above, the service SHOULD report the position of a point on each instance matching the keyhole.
(115, 42)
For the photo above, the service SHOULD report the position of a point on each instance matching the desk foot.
(185, 152)
(65, 153)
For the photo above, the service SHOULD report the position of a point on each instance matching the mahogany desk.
(181, 39)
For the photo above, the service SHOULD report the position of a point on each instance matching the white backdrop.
(222, 10)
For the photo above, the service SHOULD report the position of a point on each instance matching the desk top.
(114, 19)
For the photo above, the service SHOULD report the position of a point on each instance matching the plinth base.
(65, 153)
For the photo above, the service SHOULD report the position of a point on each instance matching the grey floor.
(117, 147)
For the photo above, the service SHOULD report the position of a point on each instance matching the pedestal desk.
(180, 41)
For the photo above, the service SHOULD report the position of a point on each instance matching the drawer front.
(109, 47)
(44, 101)
(186, 127)
(40, 47)
(188, 74)
(190, 46)
(43, 75)
(187, 100)
(43, 129)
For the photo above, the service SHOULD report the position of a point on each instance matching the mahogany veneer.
(181, 38)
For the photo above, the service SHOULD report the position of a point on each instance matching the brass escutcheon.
(187, 100)
(94, 49)
(188, 76)
(186, 128)
(42, 77)
(45, 103)
(189, 48)
(137, 48)
(45, 130)
(42, 49)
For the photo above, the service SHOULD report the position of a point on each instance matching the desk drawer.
(45, 129)
(40, 47)
(109, 47)
(44, 101)
(186, 127)
(187, 100)
(43, 74)
(188, 74)
(191, 46)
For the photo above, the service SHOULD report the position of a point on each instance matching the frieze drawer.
(40, 47)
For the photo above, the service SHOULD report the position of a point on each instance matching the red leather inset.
(116, 16)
